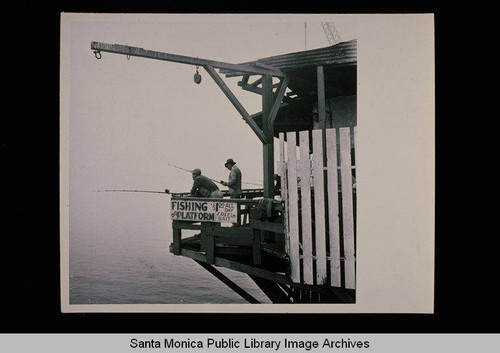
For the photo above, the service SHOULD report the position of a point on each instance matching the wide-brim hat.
(229, 161)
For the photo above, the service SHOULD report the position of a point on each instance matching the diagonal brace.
(219, 275)
(236, 103)
(277, 102)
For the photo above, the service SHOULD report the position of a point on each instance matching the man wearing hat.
(234, 180)
(203, 186)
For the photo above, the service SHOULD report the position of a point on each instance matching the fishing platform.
(295, 237)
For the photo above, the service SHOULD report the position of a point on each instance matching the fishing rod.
(190, 171)
(186, 170)
(167, 191)
(215, 181)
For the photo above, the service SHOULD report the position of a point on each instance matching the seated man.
(203, 186)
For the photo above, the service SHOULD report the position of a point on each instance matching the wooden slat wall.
(309, 242)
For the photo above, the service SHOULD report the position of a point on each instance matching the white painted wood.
(333, 207)
(347, 208)
(319, 206)
(353, 143)
(284, 189)
(293, 211)
(304, 174)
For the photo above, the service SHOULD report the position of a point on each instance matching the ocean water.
(122, 262)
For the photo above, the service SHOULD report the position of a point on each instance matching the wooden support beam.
(187, 225)
(267, 226)
(286, 99)
(268, 130)
(272, 290)
(182, 59)
(321, 97)
(277, 102)
(287, 289)
(237, 266)
(256, 82)
(221, 232)
(257, 255)
(236, 103)
(244, 80)
(251, 88)
(257, 272)
(176, 241)
(207, 245)
(321, 198)
(220, 276)
(342, 294)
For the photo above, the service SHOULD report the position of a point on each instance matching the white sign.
(203, 211)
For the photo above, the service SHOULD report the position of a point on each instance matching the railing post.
(238, 214)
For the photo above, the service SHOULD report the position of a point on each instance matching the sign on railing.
(203, 211)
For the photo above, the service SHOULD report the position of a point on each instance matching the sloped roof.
(340, 54)
(339, 63)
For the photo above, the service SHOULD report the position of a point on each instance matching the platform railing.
(226, 218)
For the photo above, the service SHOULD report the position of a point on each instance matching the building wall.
(340, 112)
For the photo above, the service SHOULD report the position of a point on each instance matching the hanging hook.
(128, 55)
(97, 54)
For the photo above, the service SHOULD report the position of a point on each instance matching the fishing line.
(190, 171)
(215, 181)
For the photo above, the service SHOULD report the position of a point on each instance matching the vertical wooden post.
(238, 214)
(293, 208)
(321, 182)
(268, 148)
(207, 244)
(257, 256)
(176, 241)
(321, 97)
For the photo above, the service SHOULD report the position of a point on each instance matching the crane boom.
(331, 32)
(150, 54)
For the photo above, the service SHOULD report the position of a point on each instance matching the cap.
(196, 171)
